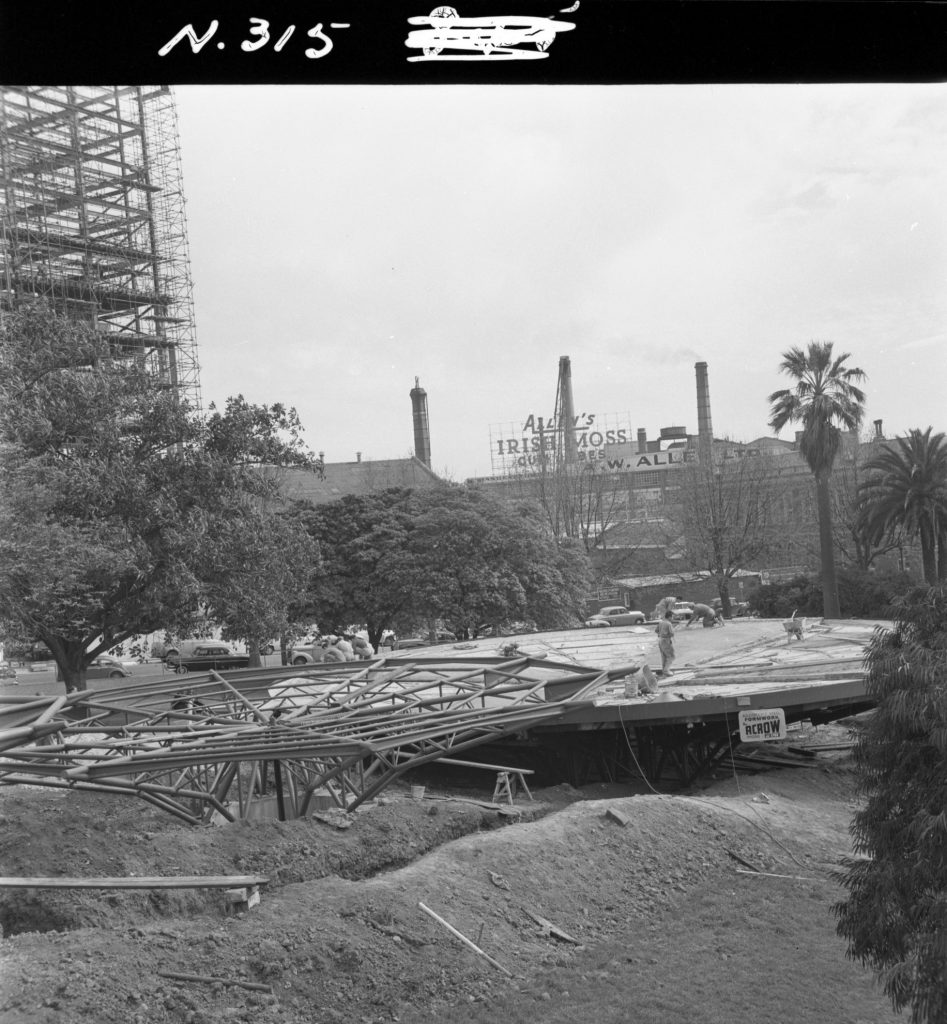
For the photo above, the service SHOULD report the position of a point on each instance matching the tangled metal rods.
(211, 747)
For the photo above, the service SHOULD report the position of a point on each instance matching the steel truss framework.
(214, 744)
(92, 218)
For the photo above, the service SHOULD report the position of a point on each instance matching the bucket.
(417, 792)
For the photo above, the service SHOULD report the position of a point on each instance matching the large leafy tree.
(485, 560)
(826, 401)
(269, 566)
(906, 491)
(112, 492)
(895, 914)
(367, 569)
(402, 558)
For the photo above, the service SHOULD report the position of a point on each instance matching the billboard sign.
(533, 442)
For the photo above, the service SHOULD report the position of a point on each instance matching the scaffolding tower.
(93, 220)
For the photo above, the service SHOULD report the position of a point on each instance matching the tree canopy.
(825, 400)
(400, 558)
(114, 493)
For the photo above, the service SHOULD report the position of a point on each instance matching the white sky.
(345, 240)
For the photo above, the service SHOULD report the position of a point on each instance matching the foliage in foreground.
(895, 916)
(121, 511)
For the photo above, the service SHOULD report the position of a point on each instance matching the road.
(41, 677)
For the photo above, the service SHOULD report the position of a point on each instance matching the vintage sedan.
(206, 656)
(683, 611)
(106, 667)
(615, 615)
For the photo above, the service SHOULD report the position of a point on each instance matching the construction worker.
(706, 614)
(362, 648)
(665, 631)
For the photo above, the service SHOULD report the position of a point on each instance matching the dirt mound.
(555, 892)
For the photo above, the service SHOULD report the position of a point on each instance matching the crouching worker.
(362, 648)
(707, 616)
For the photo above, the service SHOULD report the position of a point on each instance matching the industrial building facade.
(632, 501)
(92, 218)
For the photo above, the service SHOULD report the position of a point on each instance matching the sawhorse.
(507, 778)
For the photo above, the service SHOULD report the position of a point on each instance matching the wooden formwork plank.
(143, 882)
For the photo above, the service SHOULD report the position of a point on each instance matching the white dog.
(794, 628)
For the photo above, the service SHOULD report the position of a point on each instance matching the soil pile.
(578, 898)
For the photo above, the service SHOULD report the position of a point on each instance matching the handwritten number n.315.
(260, 28)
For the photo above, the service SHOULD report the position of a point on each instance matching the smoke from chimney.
(422, 428)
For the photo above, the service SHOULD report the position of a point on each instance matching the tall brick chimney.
(422, 428)
(705, 430)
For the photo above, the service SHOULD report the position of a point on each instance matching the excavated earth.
(611, 901)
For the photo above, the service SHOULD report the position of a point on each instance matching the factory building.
(626, 494)
(334, 480)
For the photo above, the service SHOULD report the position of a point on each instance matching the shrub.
(895, 916)
(802, 594)
(862, 595)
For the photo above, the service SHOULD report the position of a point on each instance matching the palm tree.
(825, 400)
(907, 489)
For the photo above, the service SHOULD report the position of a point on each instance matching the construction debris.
(206, 979)
(548, 928)
(467, 942)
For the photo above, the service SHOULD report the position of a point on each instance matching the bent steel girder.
(207, 744)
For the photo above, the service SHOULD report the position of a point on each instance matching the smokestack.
(358, 456)
(422, 429)
(879, 434)
(567, 410)
(642, 439)
(705, 431)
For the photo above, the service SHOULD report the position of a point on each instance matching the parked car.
(206, 655)
(615, 615)
(506, 628)
(106, 667)
(407, 642)
(683, 611)
(162, 650)
(306, 654)
(176, 647)
(737, 608)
